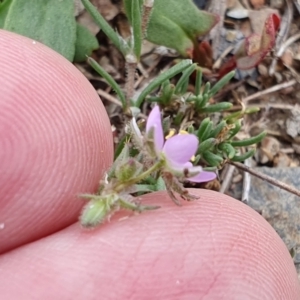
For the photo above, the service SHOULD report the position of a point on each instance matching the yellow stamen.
(171, 133)
(183, 132)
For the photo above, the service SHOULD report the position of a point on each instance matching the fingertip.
(215, 247)
(55, 140)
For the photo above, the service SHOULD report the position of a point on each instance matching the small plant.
(185, 146)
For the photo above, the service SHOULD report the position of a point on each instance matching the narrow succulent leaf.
(251, 110)
(155, 83)
(206, 145)
(109, 80)
(154, 99)
(167, 92)
(116, 39)
(201, 102)
(235, 130)
(228, 149)
(240, 114)
(207, 131)
(215, 132)
(206, 88)
(221, 83)
(216, 107)
(251, 141)
(202, 128)
(136, 21)
(212, 159)
(184, 79)
(198, 83)
(191, 129)
(243, 157)
(178, 118)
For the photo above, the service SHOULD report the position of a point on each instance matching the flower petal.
(154, 121)
(203, 176)
(180, 148)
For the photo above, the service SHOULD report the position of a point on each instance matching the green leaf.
(198, 82)
(184, 80)
(206, 145)
(206, 123)
(215, 132)
(160, 184)
(221, 83)
(216, 107)
(4, 8)
(247, 142)
(243, 157)
(136, 15)
(177, 24)
(227, 149)
(50, 22)
(212, 159)
(105, 27)
(178, 68)
(86, 43)
(109, 80)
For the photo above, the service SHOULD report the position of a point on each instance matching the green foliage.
(176, 24)
(85, 44)
(217, 144)
(4, 8)
(50, 22)
(108, 79)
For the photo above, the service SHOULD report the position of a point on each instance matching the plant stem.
(130, 79)
(139, 178)
(267, 178)
(147, 9)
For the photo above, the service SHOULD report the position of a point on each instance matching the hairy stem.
(130, 79)
(147, 8)
(139, 178)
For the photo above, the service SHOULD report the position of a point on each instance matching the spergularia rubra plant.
(169, 160)
(176, 152)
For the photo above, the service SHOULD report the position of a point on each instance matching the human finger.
(212, 248)
(55, 141)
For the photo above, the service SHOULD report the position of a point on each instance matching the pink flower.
(176, 151)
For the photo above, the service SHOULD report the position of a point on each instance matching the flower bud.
(97, 210)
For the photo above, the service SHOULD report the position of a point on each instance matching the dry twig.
(271, 90)
(267, 178)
